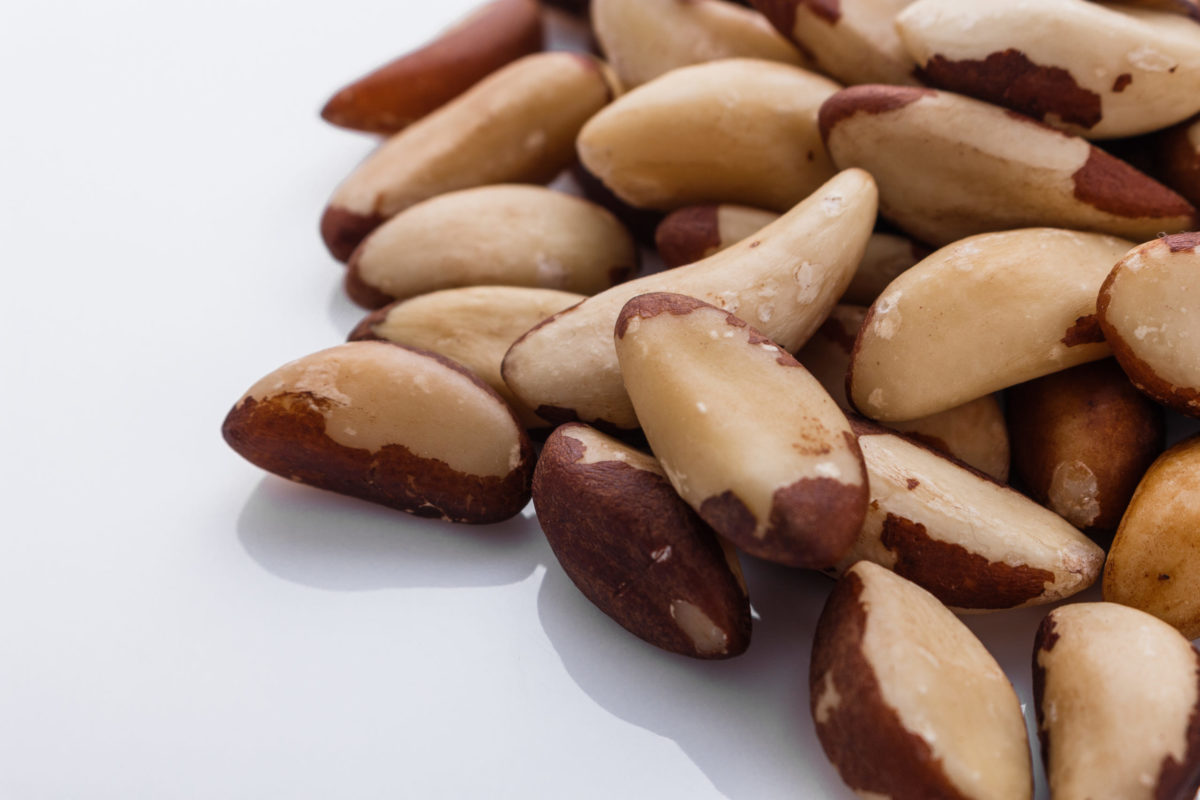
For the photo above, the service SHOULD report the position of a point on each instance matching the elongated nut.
(473, 326)
(736, 131)
(949, 167)
(402, 91)
(784, 280)
(494, 235)
(693, 233)
(1154, 563)
(1043, 61)
(1081, 440)
(1177, 158)
(1003, 308)
(887, 256)
(517, 125)
(635, 549)
(1147, 310)
(1118, 705)
(745, 434)
(400, 427)
(975, 544)
(907, 702)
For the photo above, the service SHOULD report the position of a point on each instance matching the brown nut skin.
(406, 89)
(1177, 158)
(693, 233)
(635, 549)
(393, 425)
(1081, 441)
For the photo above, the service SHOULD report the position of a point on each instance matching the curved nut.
(1188, 8)
(886, 257)
(395, 426)
(693, 233)
(1177, 158)
(635, 549)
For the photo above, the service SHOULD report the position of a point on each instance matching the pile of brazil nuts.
(931, 300)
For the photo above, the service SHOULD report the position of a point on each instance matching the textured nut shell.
(385, 423)
(746, 435)
(1002, 309)
(635, 549)
(735, 131)
(693, 233)
(907, 702)
(1118, 705)
(784, 281)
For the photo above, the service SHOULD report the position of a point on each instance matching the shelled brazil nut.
(1177, 158)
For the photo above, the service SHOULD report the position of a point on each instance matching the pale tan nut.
(400, 427)
(473, 326)
(1092, 69)
(744, 433)
(1117, 695)
(737, 131)
(406, 89)
(635, 549)
(1081, 440)
(494, 235)
(887, 256)
(907, 703)
(1149, 310)
(1177, 158)
(517, 125)
(643, 39)
(1154, 563)
(949, 167)
(783, 280)
(985, 313)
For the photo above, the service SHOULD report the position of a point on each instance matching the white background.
(176, 624)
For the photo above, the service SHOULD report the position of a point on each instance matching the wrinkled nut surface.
(908, 704)
(949, 167)
(400, 427)
(473, 326)
(693, 233)
(784, 280)
(1177, 158)
(1092, 69)
(973, 543)
(493, 235)
(1154, 563)
(744, 433)
(736, 131)
(635, 549)
(402, 91)
(1118, 705)
(1081, 441)
(643, 39)
(517, 125)
(985, 313)
(1148, 311)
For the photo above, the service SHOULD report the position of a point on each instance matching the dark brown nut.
(635, 549)
(779, 476)
(693, 233)
(908, 704)
(1188, 8)
(473, 326)
(1081, 440)
(1177, 158)
(574, 6)
(949, 167)
(400, 427)
(1117, 695)
(496, 236)
(1146, 310)
(1154, 563)
(518, 125)
(402, 91)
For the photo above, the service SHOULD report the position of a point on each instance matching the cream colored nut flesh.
(473, 326)
(1117, 694)
(1149, 309)
(493, 235)
(906, 701)
(745, 434)
(886, 257)
(985, 313)
(733, 131)
(1154, 563)
(1096, 70)
(949, 167)
(400, 427)
(975, 544)
(784, 281)
(517, 125)
(643, 39)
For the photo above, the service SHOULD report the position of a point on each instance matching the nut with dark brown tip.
(1176, 153)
